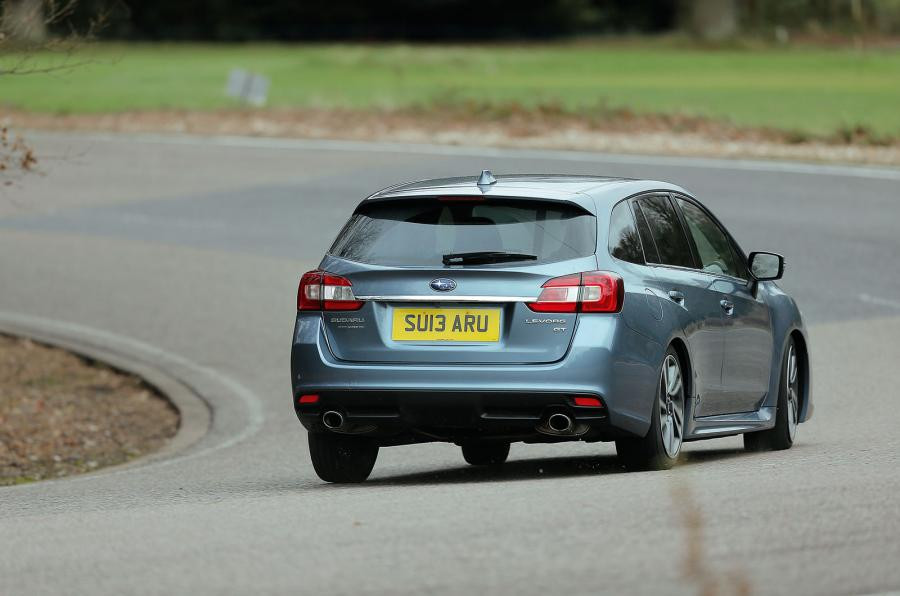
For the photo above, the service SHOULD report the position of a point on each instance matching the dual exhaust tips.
(556, 423)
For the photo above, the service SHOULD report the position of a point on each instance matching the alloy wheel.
(671, 406)
(792, 382)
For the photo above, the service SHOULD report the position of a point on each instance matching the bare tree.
(15, 155)
(26, 47)
(24, 21)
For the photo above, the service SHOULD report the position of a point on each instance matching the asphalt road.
(185, 254)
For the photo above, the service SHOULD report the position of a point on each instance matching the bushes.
(817, 16)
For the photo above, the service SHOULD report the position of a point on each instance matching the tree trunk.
(712, 20)
(23, 20)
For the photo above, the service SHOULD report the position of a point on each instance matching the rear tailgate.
(394, 249)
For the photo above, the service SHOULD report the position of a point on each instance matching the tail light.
(593, 291)
(320, 290)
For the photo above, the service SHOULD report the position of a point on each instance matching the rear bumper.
(408, 416)
(606, 359)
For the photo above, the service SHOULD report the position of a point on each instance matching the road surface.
(184, 254)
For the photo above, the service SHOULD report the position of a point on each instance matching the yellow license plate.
(446, 324)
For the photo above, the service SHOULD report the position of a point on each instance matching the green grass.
(813, 90)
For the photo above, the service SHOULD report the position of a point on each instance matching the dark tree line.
(389, 19)
(423, 20)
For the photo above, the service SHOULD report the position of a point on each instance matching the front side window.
(420, 232)
(713, 247)
(667, 231)
(624, 242)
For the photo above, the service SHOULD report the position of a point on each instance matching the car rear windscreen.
(420, 232)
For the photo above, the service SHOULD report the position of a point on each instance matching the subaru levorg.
(488, 310)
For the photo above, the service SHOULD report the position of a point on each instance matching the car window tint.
(418, 232)
(650, 253)
(624, 242)
(713, 246)
(665, 226)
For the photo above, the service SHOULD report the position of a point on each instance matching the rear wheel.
(485, 454)
(341, 458)
(787, 412)
(660, 448)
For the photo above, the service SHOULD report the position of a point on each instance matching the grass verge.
(839, 93)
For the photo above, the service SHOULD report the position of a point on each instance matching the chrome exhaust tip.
(332, 420)
(561, 423)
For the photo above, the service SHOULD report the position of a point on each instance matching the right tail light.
(592, 291)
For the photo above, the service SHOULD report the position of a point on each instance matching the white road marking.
(788, 167)
(880, 301)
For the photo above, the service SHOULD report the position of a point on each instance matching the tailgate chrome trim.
(446, 298)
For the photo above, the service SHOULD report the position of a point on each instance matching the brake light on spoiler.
(320, 290)
(592, 291)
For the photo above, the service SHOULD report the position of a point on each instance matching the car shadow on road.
(708, 455)
(526, 469)
(538, 469)
(549, 468)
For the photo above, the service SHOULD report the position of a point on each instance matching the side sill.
(708, 427)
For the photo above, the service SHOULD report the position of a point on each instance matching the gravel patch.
(616, 132)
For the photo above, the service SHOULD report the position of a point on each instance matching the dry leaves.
(61, 415)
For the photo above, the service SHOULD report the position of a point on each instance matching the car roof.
(592, 193)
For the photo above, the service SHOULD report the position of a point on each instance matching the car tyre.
(787, 411)
(341, 458)
(660, 448)
(485, 454)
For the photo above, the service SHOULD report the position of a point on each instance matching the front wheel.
(660, 448)
(341, 458)
(787, 412)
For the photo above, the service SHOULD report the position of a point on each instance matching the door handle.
(727, 305)
(676, 296)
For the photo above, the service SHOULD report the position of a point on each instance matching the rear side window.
(667, 232)
(646, 237)
(624, 242)
(419, 232)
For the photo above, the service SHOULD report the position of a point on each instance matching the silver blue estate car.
(484, 311)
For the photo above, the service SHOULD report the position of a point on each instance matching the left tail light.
(592, 291)
(320, 290)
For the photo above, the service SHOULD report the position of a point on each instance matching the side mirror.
(766, 266)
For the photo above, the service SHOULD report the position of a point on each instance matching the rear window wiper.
(485, 256)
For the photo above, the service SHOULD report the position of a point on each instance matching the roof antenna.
(486, 178)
